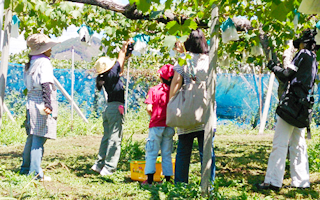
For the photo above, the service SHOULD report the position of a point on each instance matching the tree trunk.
(4, 61)
(210, 117)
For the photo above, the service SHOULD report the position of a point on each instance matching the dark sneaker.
(146, 183)
(268, 186)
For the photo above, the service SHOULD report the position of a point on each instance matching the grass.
(241, 163)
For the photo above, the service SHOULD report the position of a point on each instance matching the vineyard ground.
(241, 163)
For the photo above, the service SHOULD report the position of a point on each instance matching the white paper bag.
(309, 7)
(15, 27)
(84, 36)
(140, 47)
(257, 50)
(229, 31)
(317, 37)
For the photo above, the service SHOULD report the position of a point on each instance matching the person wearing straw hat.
(42, 106)
(294, 115)
(108, 73)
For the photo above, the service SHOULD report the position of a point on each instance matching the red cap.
(166, 71)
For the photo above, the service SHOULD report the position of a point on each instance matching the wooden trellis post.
(127, 88)
(266, 104)
(8, 112)
(72, 85)
(4, 61)
(65, 93)
(210, 117)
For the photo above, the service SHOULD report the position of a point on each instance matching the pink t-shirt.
(158, 96)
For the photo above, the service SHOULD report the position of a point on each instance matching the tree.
(271, 21)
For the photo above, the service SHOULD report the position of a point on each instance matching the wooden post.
(4, 61)
(266, 104)
(65, 93)
(72, 84)
(210, 117)
(1, 18)
(8, 112)
(260, 94)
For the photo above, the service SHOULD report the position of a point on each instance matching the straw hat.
(40, 43)
(104, 64)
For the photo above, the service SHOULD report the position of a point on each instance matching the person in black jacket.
(294, 114)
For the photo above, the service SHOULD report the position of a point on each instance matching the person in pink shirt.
(160, 135)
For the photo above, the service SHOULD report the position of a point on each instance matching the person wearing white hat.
(109, 72)
(42, 106)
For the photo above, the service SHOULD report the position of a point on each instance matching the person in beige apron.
(42, 105)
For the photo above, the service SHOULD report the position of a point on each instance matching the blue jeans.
(213, 157)
(32, 155)
(159, 138)
(185, 143)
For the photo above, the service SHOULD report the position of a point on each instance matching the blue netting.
(236, 95)
(84, 89)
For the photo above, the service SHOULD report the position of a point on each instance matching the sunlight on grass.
(241, 160)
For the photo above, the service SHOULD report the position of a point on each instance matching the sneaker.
(24, 172)
(291, 186)
(146, 183)
(96, 169)
(267, 186)
(105, 172)
(45, 179)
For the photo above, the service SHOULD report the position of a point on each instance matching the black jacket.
(295, 106)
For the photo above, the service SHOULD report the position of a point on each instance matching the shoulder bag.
(187, 108)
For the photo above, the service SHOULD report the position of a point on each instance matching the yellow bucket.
(137, 170)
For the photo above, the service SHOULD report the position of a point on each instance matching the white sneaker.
(96, 169)
(105, 172)
(45, 179)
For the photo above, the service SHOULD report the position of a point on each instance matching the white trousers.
(286, 134)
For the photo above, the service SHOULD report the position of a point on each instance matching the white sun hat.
(40, 43)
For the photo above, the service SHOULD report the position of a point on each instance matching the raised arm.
(122, 54)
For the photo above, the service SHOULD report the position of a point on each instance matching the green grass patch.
(242, 156)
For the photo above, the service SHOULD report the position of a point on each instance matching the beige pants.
(288, 135)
